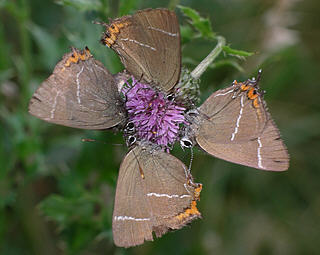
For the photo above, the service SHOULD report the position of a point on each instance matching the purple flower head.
(156, 118)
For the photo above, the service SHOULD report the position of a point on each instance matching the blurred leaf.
(5, 49)
(47, 44)
(66, 210)
(10, 6)
(237, 53)
(127, 5)
(188, 60)
(6, 74)
(201, 24)
(78, 220)
(82, 5)
(186, 34)
(222, 63)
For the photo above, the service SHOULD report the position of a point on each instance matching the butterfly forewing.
(152, 195)
(235, 125)
(80, 93)
(148, 44)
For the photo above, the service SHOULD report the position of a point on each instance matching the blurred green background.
(56, 192)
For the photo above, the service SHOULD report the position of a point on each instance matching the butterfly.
(155, 191)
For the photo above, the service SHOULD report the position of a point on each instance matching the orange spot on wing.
(252, 93)
(108, 41)
(78, 55)
(141, 172)
(113, 37)
(87, 51)
(114, 29)
(256, 103)
(82, 57)
(193, 210)
(197, 192)
(245, 87)
(112, 32)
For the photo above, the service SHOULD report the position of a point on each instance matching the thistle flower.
(157, 117)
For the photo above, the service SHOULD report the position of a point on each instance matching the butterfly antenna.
(188, 171)
(91, 140)
(141, 77)
(259, 76)
(190, 165)
(100, 23)
(98, 141)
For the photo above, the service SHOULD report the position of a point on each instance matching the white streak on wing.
(78, 85)
(223, 94)
(139, 43)
(238, 121)
(259, 153)
(53, 110)
(166, 195)
(163, 31)
(130, 218)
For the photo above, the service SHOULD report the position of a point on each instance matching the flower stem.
(199, 70)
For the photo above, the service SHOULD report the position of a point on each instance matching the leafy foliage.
(56, 192)
(201, 24)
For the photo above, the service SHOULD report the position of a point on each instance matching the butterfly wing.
(80, 93)
(236, 126)
(153, 195)
(148, 44)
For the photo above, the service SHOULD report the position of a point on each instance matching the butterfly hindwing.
(80, 93)
(153, 195)
(234, 125)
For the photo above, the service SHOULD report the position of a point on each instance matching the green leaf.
(47, 43)
(82, 5)
(67, 210)
(127, 5)
(201, 24)
(5, 50)
(186, 33)
(237, 53)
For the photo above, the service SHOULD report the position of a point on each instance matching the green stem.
(25, 63)
(33, 226)
(199, 70)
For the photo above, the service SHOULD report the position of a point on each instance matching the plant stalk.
(199, 70)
